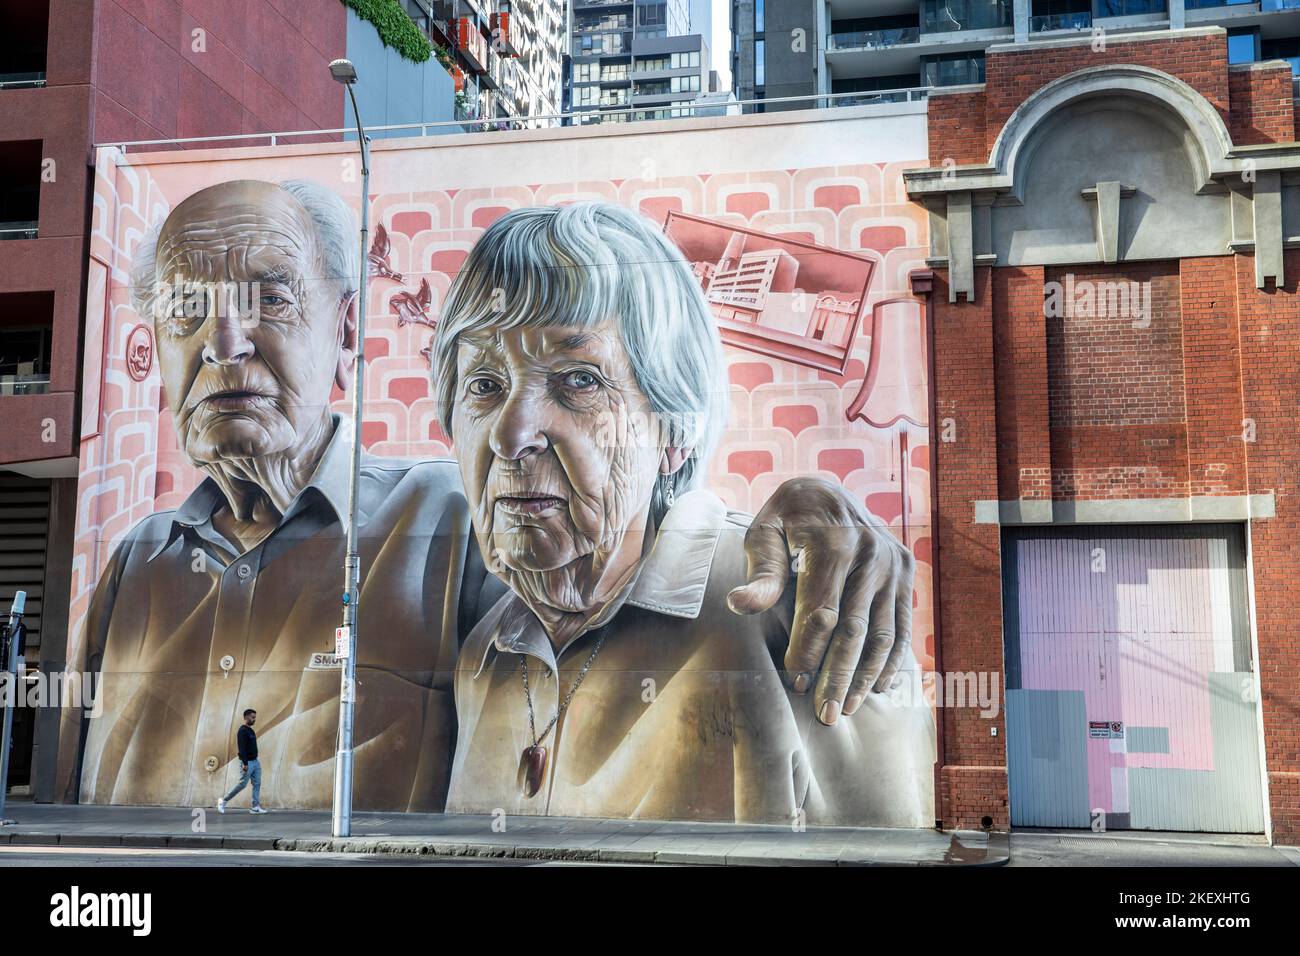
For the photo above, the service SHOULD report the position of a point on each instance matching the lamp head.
(343, 71)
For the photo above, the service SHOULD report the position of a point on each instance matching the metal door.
(1130, 687)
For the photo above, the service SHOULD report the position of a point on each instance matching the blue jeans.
(253, 772)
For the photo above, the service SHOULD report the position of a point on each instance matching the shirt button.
(243, 571)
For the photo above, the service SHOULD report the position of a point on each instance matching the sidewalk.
(535, 838)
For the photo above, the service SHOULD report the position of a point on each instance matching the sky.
(719, 11)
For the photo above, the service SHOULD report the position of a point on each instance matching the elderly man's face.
(245, 386)
(558, 447)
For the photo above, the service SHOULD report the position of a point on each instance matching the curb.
(146, 841)
(997, 854)
(507, 851)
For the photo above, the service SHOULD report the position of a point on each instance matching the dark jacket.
(247, 744)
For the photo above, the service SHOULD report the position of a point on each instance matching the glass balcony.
(1129, 8)
(35, 383)
(13, 81)
(947, 16)
(873, 39)
(1060, 21)
(871, 97)
(17, 230)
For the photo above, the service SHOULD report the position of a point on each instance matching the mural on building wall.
(577, 393)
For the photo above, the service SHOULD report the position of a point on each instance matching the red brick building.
(74, 73)
(1116, 346)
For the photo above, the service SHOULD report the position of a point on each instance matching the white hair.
(583, 265)
(336, 235)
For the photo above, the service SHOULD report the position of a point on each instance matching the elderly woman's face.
(557, 445)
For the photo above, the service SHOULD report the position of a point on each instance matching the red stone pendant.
(532, 769)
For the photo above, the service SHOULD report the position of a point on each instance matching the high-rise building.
(785, 48)
(495, 61)
(637, 59)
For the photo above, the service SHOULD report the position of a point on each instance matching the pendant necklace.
(532, 762)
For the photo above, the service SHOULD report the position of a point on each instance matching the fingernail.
(830, 712)
(801, 682)
(851, 704)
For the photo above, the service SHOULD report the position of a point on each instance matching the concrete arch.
(1150, 90)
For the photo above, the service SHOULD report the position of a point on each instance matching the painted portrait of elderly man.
(580, 376)
(227, 601)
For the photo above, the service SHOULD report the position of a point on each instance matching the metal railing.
(872, 97)
(36, 384)
(17, 230)
(1060, 21)
(543, 121)
(15, 81)
(873, 39)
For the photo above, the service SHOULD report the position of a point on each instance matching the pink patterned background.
(786, 419)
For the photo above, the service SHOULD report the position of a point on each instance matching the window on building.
(953, 69)
(1048, 15)
(758, 16)
(20, 188)
(1243, 45)
(1284, 48)
(1129, 8)
(760, 66)
(946, 16)
(26, 336)
(23, 42)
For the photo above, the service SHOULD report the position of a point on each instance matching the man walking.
(248, 764)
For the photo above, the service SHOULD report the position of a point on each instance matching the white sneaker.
(221, 806)
(258, 810)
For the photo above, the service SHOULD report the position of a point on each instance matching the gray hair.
(583, 265)
(336, 232)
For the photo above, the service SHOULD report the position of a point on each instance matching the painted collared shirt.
(187, 630)
(683, 714)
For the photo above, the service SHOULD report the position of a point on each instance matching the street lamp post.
(344, 72)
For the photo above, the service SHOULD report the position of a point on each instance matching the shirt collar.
(672, 580)
(330, 481)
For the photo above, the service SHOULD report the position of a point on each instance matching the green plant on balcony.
(395, 28)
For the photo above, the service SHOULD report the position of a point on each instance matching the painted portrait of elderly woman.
(579, 373)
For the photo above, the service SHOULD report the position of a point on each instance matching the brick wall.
(1216, 453)
(973, 783)
(1255, 103)
(1200, 60)
(1200, 400)
(1020, 356)
(1269, 324)
(1260, 100)
(957, 129)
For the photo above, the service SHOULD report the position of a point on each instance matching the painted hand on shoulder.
(852, 622)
